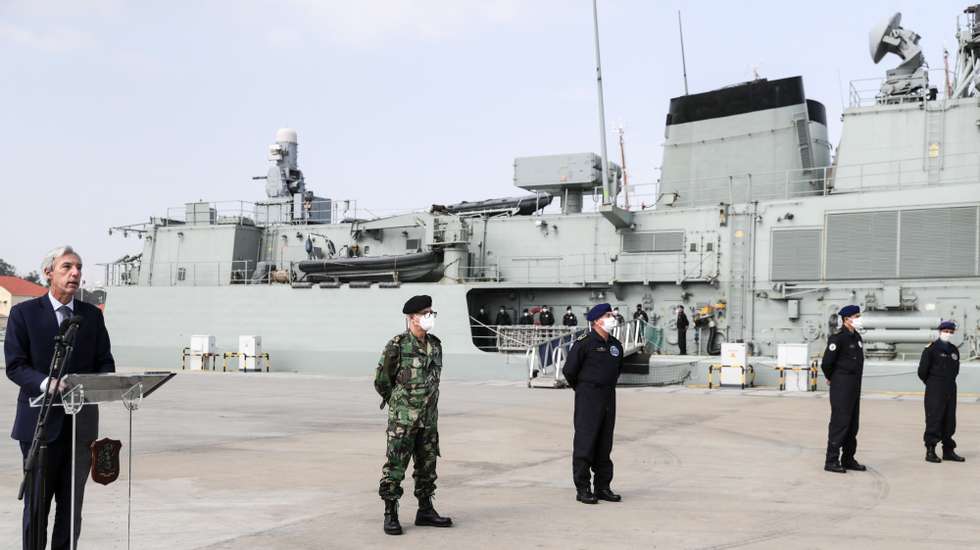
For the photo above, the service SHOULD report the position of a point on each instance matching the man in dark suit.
(28, 349)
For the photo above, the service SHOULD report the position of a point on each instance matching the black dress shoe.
(607, 494)
(852, 464)
(428, 517)
(391, 524)
(834, 467)
(931, 455)
(952, 456)
(585, 496)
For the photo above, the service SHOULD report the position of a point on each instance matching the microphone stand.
(34, 463)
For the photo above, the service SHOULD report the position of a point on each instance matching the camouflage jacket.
(407, 378)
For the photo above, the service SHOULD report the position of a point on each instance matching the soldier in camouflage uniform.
(407, 379)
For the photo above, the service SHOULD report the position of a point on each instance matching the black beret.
(597, 311)
(848, 311)
(416, 304)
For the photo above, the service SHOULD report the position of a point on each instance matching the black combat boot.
(392, 526)
(427, 515)
(585, 496)
(848, 463)
(950, 454)
(832, 463)
(606, 494)
(931, 454)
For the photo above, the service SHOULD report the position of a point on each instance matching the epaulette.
(583, 336)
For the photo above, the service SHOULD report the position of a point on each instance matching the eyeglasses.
(429, 314)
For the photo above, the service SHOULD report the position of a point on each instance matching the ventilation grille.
(654, 241)
(796, 255)
(862, 245)
(939, 242)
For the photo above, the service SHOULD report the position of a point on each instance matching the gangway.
(545, 360)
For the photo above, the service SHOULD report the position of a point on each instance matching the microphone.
(69, 322)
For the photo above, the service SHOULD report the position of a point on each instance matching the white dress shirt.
(61, 319)
(56, 304)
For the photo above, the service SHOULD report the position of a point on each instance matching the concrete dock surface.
(287, 461)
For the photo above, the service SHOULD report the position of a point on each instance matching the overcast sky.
(114, 111)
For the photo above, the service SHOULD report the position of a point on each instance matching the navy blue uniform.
(843, 366)
(592, 369)
(569, 320)
(682, 324)
(938, 367)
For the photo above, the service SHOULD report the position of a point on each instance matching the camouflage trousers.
(421, 445)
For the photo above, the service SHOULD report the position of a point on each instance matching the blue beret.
(947, 325)
(598, 311)
(847, 311)
(416, 304)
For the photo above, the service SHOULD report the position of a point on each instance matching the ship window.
(181, 273)
(694, 247)
(413, 244)
(709, 247)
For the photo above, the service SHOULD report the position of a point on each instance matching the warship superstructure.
(757, 226)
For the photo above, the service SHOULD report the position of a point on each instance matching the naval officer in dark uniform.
(592, 368)
(938, 367)
(843, 366)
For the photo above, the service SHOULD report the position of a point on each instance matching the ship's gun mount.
(910, 80)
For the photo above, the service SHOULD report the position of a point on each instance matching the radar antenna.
(909, 81)
(967, 66)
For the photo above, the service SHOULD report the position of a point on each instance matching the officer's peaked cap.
(947, 325)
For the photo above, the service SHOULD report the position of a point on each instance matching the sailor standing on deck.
(503, 318)
(843, 366)
(569, 320)
(407, 379)
(682, 324)
(592, 368)
(938, 367)
(546, 317)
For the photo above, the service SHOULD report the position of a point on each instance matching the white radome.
(287, 135)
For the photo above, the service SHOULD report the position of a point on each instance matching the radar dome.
(287, 135)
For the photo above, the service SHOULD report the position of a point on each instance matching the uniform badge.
(614, 351)
(832, 347)
(956, 357)
(860, 345)
(105, 460)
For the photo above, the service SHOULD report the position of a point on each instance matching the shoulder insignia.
(583, 336)
(832, 346)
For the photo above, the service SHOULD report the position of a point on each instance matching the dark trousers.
(940, 405)
(57, 485)
(845, 411)
(595, 420)
(682, 340)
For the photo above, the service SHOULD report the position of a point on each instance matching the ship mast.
(608, 188)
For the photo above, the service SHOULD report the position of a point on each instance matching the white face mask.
(608, 324)
(427, 322)
(857, 323)
(945, 336)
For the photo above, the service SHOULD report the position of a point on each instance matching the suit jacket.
(28, 349)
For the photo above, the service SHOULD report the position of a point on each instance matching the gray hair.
(47, 264)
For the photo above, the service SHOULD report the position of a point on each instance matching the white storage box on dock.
(249, 348)
(202, 345)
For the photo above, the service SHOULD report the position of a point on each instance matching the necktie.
(65, 313)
